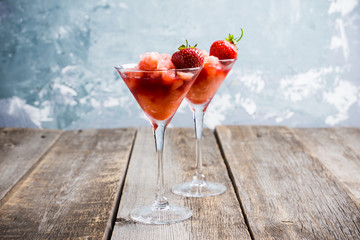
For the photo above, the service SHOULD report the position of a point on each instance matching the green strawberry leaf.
(186, 46)
(234, 40)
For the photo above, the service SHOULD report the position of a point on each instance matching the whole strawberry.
(225, 49)
(187, 57)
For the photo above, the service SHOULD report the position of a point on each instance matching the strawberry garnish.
(226, 49)
(187, 57)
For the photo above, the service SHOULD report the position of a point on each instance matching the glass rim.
(228, 60)
(130, 67)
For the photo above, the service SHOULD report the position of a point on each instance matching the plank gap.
(12, 190)
(218, 217)
(233, 183)
(342, 155)
(70, 194)
(285, 191)
(113, 218)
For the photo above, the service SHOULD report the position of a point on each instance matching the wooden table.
(283, 183)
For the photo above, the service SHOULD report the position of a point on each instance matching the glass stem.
(199, 177)
(160, 202)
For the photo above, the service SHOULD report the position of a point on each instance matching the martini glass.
(199, 97)
(159, 94)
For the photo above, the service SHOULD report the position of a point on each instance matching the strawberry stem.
(242, 33)
(234, 40)
(186, 46)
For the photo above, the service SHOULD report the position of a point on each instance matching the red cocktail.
(209, 81)
(217, 64)
(159, 93)
(199, 97)
(159, 89)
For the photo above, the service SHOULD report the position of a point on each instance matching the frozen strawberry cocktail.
(159, 83)
(217, 64)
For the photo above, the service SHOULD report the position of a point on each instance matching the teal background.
(298, 61)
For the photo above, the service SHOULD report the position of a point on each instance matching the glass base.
(170, 214)
(207, 189)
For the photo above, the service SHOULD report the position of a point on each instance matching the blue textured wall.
(298, 61)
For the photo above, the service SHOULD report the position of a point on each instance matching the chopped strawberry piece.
(177, 84)
(168, 77)
(186, 76)
(149, 61)
(155, 61)
(205, 53)
(165, 63)
(211, 65)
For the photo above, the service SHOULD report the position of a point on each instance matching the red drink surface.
(159, 93)
(208, 82)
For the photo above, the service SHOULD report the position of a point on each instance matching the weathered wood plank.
(217, 217)
(351, 136)
(73, 191)
(20, 149)
(339, 150)
(286, 193)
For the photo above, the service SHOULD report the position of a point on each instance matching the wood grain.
(286, 193)
(218, 217)
(72, 192)
(20, 149)
(338, 149)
